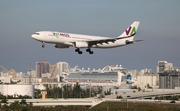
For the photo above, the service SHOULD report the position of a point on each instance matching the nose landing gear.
(43, 44)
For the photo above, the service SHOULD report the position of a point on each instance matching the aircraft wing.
(100, 41)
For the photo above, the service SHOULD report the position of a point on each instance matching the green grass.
(137, 106)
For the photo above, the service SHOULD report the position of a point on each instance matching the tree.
(4, 100)
(119, 97)
(23, 102)
(148, 86)
(77, 90)
(139, 89)
(15, 105)
(108, 92)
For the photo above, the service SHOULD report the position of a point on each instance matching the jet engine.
(80, 44)
(61, 46)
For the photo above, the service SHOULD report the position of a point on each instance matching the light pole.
(62, 91)
(142, 90)
(108, 108)
(127, 100)
(90, 88)
(163, 87)
(178, 81)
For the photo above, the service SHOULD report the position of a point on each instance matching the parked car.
(99, 96)
(172, 101)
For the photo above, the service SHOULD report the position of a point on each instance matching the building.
(169, 79)
(12, 73)
(31, 73)
(26, 80)
(52, 67)
(5, 79)
(63, 68)
(163, 65)
(49, 80)
(20, 74)
(41, 67)
(148, 80)
(16, 90)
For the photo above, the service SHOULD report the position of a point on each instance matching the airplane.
(66, 40)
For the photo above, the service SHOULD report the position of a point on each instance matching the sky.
(159, 28)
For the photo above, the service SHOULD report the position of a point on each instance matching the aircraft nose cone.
(33, 36)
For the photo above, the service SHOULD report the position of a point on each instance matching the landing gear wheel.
(91, 52)
(80, 52)
(88, 50)
(77, 50)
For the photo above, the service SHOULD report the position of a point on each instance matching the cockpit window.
(37, 33)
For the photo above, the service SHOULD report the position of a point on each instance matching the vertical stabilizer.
(131, 30)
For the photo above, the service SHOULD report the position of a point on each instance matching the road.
(93, 102)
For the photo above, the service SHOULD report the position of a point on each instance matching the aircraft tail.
(131, 30)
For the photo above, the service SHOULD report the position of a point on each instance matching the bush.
(119, 97)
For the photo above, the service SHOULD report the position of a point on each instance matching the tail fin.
(131, 30)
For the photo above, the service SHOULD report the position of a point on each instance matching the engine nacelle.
(61, 46)
(80, 44)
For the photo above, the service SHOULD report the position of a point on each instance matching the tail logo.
(133, 31)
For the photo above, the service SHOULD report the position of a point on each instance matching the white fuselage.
(69, 38)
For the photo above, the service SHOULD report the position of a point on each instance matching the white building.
(16, 90)
(163, 65)
(32, 73)
(63, 68)
(26, 80)
(145, 79)
(5, 79)
(20, 74)
(145, 71)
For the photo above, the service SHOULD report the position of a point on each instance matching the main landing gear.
(87, 50)
(78, 50)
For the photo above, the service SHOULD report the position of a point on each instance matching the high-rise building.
(163, 65)
(63, 67)
(42, 67)
(169, 79)
(52, 67)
